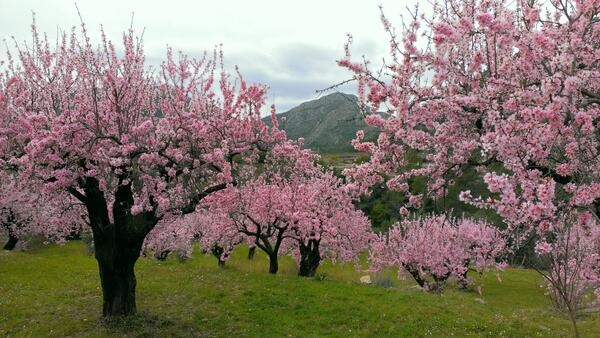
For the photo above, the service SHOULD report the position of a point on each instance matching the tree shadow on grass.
(144, 324)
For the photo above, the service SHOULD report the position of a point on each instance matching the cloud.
(290, 46)
(293, 73)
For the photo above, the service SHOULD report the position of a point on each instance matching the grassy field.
(54, 291)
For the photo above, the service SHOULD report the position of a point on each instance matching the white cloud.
(289, 45)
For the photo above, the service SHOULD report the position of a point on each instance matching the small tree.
(24, 212)
(433, 249)
(173, 234)
(572, 257)
(327, 225)
(293, 206)
(256, 210)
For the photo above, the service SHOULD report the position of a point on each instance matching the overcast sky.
(291, 46)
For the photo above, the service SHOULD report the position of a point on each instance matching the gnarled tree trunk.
(117, 245)
(9, 224)
(162, 255)
(12, 241)
(414, 272)
(272, 250)
(437, 285)
(116, 264)
(310, 258)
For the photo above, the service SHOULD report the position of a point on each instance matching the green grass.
(54, 291)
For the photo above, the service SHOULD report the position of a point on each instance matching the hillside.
(327, 124)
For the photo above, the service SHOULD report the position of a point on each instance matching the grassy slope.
(54, 291)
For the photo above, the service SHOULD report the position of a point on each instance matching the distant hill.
(327, 124)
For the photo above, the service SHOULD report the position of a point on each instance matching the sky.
(291, 46)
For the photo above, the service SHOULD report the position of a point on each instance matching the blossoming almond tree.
(499, 82)
(293, 206)
(130, 143)
(259, 208)
(326, 225)
(24, 212)
(507, 87)
(433, 249)
(210, 229)
(174, 234)
(571, 254)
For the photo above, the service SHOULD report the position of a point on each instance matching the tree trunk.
(414, 272)
(117, 245)
(162, 255)
(573, 318)
(310, 258)
(10, 224)
(440, 283)
(273, 263)
(217, 251)
(116, 264)
(464, 281)
(251, 253)
(74, 236)
(12, 242)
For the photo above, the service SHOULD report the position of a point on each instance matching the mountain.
(327, 124)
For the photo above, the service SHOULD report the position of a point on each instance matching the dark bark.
(262, 242)
(118, 281)
(251, 252)
(74, 236)
(414, 272)
(273, 263)
(162, 255)
(10, 224)
(217, 251)
(546, 171)
(437, 285)
(12, 242)
(310, 258)
(117, 245)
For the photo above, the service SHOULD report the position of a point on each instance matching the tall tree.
(131, 143)
(497, 83)
(506, 87)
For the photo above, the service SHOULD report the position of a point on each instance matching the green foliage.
(54, 291)
(382, 207)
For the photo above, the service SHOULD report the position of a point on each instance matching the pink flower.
(485, 19)
(542, 247)
(403, 211)
(136, 209)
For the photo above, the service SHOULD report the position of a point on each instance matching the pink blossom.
(542, 248)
